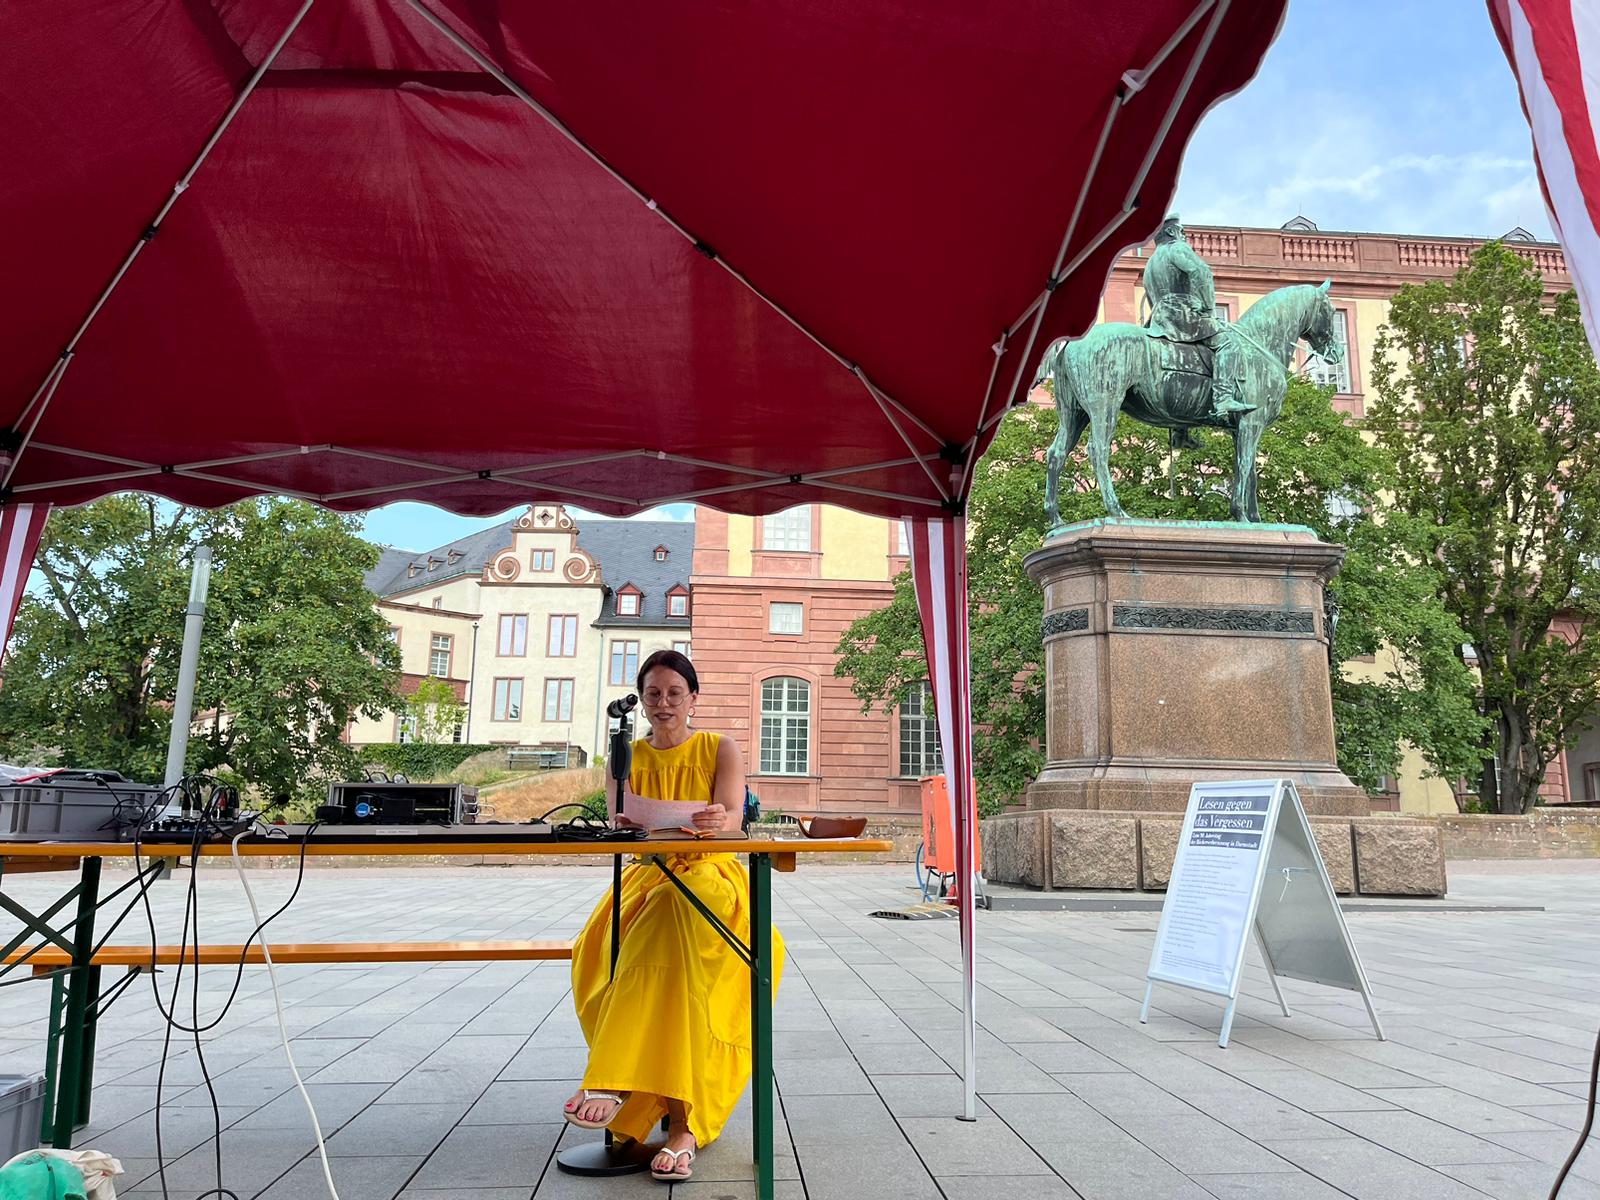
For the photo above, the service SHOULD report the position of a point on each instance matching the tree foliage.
(1315, 470)
(292, 648)
(433, 711)
(1489, 402)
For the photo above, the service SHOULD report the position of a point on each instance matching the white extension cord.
(283, 1026)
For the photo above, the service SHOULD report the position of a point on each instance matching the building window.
(919, 734)
(541, 560)
(785, 727)
(508, 699)
(1324, 373)
(563, 636)
(624, 663)
(678, 604)
(788, 530)
(902, 538)
(627, 604)
(394, 634)
(405, 729)
(558, 700)
(439, 655)
(786, 618)
(513, 634)
(661, 554)
(681, 648)
(1220, 311)
(438, 601)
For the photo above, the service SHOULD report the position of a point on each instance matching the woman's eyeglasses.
(672, 697)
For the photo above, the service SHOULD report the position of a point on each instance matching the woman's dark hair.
(672, 661)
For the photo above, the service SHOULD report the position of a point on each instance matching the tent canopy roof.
(751, 253)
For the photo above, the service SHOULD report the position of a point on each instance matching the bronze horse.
(1119, 367)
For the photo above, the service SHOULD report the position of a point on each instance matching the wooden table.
(72, 1084)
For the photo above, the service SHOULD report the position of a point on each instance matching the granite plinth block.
(1093, 850)
(1399, 858)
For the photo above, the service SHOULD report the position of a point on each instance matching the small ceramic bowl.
(832, 827)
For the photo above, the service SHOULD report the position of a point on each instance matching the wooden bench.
(56, 962)
(52, 958)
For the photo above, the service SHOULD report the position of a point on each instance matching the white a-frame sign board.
(1247, 864)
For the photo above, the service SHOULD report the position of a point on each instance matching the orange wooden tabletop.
(419, 846)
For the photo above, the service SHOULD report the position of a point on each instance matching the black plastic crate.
(76, 810)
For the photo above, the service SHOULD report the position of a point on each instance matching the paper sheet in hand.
(655, 814)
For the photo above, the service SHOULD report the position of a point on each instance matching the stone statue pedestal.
(1177, 652)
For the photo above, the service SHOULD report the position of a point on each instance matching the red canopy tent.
(479, 254)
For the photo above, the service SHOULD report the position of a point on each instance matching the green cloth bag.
(37, 1177)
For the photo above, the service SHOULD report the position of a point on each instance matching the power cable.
(1588, 1122)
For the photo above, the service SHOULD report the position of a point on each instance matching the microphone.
(621, 708)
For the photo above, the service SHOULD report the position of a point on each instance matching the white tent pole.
(1061, 254)
(22, 489)
(878, 398)
(1178, 96)
(145, 238)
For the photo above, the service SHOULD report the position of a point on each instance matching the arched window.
(785, 726)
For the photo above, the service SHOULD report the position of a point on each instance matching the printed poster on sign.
(1206, 917)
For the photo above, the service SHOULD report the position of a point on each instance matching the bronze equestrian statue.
(1183, 370)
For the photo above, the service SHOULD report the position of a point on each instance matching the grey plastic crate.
(91, 812)
(21, 1110)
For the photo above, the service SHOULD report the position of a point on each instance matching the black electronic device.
(618, 709)
(370, 803)
(183, 830)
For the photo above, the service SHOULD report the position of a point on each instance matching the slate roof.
(625, 551)
(390, 576)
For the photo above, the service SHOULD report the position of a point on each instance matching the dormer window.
(678, 602)
(413, 570)
(433, 563)
(628, 598)
(661, 554)
(454, 556)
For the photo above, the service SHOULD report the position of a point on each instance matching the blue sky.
(1381, 117)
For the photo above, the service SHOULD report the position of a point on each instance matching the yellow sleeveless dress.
(675, 1022)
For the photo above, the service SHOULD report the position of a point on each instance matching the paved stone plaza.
(446, 1081)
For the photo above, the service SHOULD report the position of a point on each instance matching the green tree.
(1315, 470)
(433, 711)
(292, 648)
(1489, 402)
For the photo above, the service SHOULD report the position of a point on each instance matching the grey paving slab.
(422, 1073)
(1279, 1185)
(1012, 1187)
(1421, 1139)
(1521, 1181)
(1370, 1172)
(987, 1146)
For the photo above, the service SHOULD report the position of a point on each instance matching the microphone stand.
(620, 762)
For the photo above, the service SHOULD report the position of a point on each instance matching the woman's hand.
(712, 816)
(621, 821)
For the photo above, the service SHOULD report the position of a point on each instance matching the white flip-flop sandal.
(673, 1175)
(574, 1119)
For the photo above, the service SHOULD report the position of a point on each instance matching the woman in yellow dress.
(669, 1035)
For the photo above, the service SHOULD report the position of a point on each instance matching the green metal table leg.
(76, 1038)
(52, 1057)
(761, 1099)
(91, 1027)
